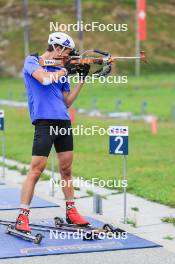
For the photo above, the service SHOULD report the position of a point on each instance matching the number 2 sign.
(118, 140)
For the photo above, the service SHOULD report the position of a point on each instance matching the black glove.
(71, 68)
(83, 70)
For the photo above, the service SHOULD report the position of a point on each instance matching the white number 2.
(117, 150)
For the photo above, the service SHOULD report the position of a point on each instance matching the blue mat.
(13, 247)
(10, 200)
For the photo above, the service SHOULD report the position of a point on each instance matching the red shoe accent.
(22, 222)
(72, 215)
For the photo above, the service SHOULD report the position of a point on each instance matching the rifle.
(105, 60)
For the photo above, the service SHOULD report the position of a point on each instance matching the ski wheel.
(38, 238)
(7, 230)
(59, 220)
(109, 228)
(88, 236)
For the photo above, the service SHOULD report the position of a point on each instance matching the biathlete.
(48, 102)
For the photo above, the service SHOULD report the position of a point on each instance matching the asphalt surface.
(141, 256)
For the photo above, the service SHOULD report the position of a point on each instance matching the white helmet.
(61, 39)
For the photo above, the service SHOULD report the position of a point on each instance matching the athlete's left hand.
(83, 70)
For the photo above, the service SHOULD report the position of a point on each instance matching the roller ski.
(84, 234)
(22, 229)
(75, 220)
(106, 228)
(24, 235)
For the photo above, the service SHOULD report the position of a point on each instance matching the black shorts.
(49, 132)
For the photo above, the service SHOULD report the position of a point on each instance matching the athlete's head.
(61, 43)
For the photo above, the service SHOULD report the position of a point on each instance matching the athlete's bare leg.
(38, 164)
(65, 165)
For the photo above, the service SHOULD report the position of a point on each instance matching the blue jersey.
(44, 101)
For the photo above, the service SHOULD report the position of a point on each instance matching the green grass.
(135, 209)
(90, 193)
(159, 44)
(157, 90)
(24, 171)
(131, 222)
(168, 237)
(170, 220)
(151, 167)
